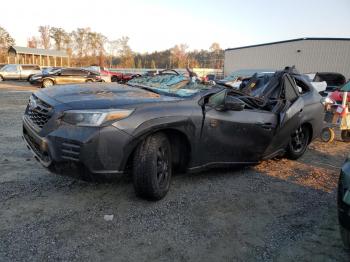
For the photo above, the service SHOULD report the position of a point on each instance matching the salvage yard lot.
(279, 210)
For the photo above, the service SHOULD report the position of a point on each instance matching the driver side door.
(230, 136)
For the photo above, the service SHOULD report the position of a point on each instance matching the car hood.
(102, 95)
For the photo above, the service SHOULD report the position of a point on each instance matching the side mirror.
(233, 103)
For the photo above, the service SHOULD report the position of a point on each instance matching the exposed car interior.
(274, 93)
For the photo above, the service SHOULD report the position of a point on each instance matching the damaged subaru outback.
(155, 126)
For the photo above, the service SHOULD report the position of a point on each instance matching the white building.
(307, 54)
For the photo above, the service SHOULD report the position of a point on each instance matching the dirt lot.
(280, 210)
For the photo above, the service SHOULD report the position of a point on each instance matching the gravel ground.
(280, 210)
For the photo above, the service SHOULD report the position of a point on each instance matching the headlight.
(94, 117)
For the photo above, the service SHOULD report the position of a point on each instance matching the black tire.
(345, 236)
(47, 83)
(1, 79)
(114, 79)
(345, 135)
(29, 77)
(344, 233)
(152, 167)
(298, 143)
(89, 81)
(327, 135)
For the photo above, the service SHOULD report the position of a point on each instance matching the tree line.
(86, 47)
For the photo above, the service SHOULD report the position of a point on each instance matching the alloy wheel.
(162, 166)
(299, 140)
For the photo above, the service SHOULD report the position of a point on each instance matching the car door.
(11, 72)
(230, 136)
(289, 118)
(63, 77)
(71, 76)
(79, 75)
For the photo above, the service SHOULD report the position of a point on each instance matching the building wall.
(314, 55)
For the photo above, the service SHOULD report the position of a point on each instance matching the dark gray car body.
(201, 136)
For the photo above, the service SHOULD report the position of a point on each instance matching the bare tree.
(80, 37)
(112, 50)
(5, 42)
(58, 35)
(33, 42)
(179, 56)
(45, 36)
(125, 53)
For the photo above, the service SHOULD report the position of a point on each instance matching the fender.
(179, 123)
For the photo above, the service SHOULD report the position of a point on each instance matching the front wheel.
(298, 143)
(152, 167)
(47, 83)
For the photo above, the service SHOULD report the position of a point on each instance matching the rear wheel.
(152, 167)
(89, 81)
(47, 83)
(327, 135)
(345, 135)
(298, 143)
(114, 79)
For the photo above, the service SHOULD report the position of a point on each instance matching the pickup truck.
(18, 72)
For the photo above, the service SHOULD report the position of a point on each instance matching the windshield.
(168, 84)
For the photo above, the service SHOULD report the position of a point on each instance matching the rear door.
(80, 75)
(71, 76)
(289, 117)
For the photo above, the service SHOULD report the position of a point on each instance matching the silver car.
(18, 72)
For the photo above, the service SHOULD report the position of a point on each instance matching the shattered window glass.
(179, 85)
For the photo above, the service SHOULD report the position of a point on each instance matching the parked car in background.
(154, 125)
(18, 72)
(326, 82)
(115, 76)
(65, 76)
(343, 202)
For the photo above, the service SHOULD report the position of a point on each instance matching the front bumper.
(99, 150)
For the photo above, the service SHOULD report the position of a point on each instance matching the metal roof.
(38, 51)
(291, 40)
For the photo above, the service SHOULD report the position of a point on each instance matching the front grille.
(70, 151)
(38, 111)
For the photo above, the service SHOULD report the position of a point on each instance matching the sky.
(158, 25)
